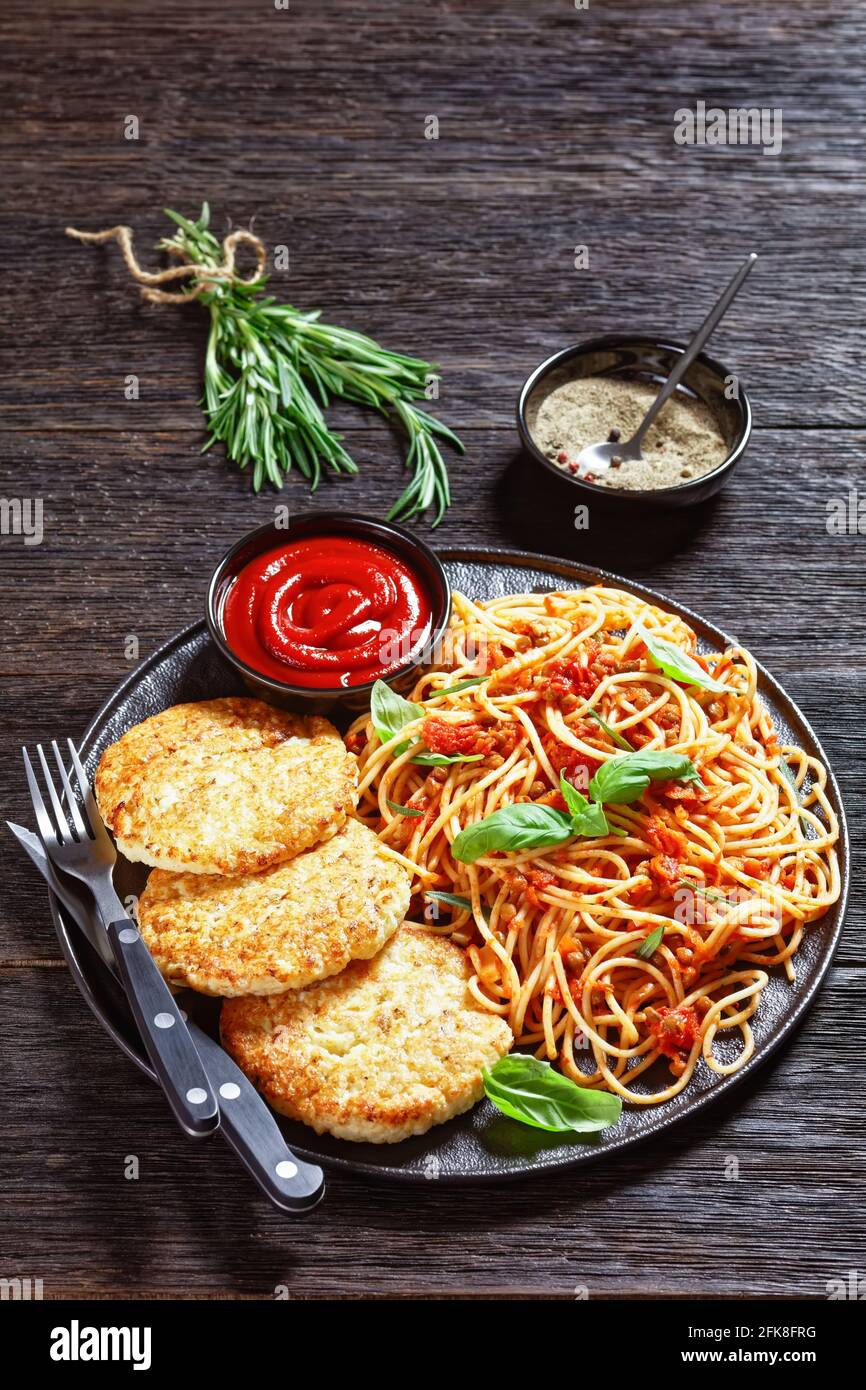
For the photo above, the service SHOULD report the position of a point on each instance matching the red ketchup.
(326, 612)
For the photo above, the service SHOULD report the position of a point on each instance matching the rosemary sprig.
(270, 370)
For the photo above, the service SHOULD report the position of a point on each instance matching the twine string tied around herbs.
(206, 276)
(270, 370)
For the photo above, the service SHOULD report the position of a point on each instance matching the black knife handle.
(164, 1033)
(252, 1131)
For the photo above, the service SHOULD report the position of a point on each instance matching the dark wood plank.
(460, 249)
(135, 522)
(427, 276)
(422, 241)
(662, 1221)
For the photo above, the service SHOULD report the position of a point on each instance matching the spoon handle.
(716, 314)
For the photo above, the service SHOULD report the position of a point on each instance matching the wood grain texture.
(667, 1221)
(461, 249)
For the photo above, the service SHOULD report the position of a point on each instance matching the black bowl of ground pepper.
(646, 360)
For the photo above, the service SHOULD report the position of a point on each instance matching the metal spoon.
(596, 458)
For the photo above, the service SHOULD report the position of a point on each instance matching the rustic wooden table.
(555, 131)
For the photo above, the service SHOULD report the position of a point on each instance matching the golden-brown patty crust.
(225, 786)
(382, 1051)
(265, 933)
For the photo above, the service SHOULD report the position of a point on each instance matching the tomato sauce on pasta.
(649, 945)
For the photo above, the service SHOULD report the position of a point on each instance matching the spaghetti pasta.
(651, 943)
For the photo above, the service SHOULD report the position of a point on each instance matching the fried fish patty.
(265, 933)
(226, 786)
(382, 1051)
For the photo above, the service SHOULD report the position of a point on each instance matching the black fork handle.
(164, 1033)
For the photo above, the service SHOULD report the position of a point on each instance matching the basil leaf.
(456, 901)
(787, 773)
(587, 817)
(705, 892)
(531, 1091)
(676, 664)
(611, 733)
(592, 823)
(462, 685)
(650, 944)
(390, 712)
(574, 800)
(427, 759)
(626, 777)
(404, 810)
(453, 899)
(525, 825)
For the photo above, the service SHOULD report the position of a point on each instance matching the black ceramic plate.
(482, 1144)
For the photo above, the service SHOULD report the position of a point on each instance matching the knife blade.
(246, 1123)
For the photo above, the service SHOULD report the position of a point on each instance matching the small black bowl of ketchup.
(313, 613)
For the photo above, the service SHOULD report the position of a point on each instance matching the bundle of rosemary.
(271, 370)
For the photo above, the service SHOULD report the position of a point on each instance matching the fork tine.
(59, 813)
(90, 806)
(77, 818)
(43, 820)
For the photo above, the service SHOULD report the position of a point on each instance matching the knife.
(246, 1123)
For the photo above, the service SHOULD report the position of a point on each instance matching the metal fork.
(84, 850)
(246, 1123)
